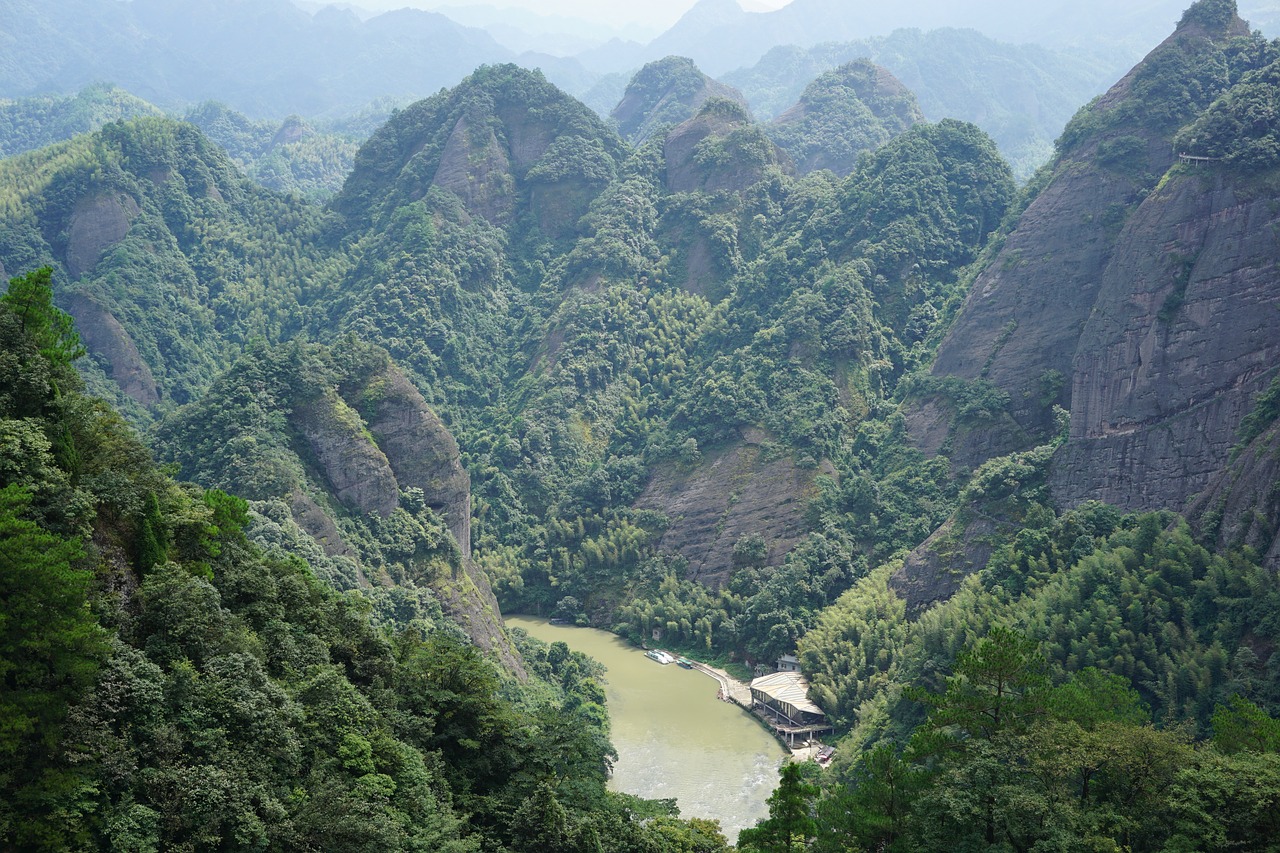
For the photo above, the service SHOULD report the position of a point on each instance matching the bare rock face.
(420, 450)
(475, 167)
(1147, 311)
(97, 224)
(735, 492)
(934, 571)
(356, 470)
(1182, 338)
(1241, 506)
(104, 336)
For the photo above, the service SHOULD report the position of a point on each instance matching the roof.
(789, 687)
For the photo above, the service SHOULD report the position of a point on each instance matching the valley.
(840, 355)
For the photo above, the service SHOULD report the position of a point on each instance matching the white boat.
(660, 656)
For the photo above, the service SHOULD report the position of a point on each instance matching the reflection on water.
(674, 737)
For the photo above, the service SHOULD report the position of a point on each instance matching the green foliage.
(31, 123)
(790, 825)
(854, 108)
(1214, 15)
(1006, 762)
(30, 298)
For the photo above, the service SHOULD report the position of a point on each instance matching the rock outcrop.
(104, 336)
(419, 449)
(1138, 304)
(97, 224)
(737, 491)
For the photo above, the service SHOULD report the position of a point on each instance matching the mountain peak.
(1217, 16)
(666, 92)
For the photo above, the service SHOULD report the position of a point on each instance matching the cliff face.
(1142, 305)
(736, 492)
(1181, 338)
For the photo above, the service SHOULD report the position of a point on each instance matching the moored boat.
(660, 656)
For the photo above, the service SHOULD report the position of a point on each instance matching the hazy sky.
(659, 14)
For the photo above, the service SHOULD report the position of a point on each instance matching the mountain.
(719, 35)
(666, 92)
(857, 107)
(31, 123)
(163, 642)
(288, 156)
(1129, 294)
(263, 58)
(1020, 94)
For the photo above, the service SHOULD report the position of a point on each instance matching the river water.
(674, 737)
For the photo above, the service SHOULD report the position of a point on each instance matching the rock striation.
(1141, 304)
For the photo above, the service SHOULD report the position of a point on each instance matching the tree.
(790, 825)
(999, 685)
(30, 297)
(50, 650)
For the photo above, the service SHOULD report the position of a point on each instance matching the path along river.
(674, 737)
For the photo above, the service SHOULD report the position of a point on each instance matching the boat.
(684, 663)
(660, 656)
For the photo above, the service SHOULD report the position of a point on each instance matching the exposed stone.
(1241, 506)
(356, 471)
(97, 224)
(934, 570)
(104, 336)
(475, 167)
(420, 450)
(739, 490)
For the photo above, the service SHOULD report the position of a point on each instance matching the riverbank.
(731, 689)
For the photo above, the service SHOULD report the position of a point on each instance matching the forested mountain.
(665, 92)
(855, 108)
(1023, 95)
(266, 58)
(698, 390)
(31, 123)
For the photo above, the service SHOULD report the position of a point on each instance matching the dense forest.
(271, 469)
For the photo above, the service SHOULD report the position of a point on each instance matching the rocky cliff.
(740, 490)
(1134, 291)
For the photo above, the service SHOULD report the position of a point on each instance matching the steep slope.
(1134, 290)
(169, 257)
(366, 469)
(854, 108)
(666, 92)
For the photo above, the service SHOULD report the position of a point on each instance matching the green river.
(674, 737)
